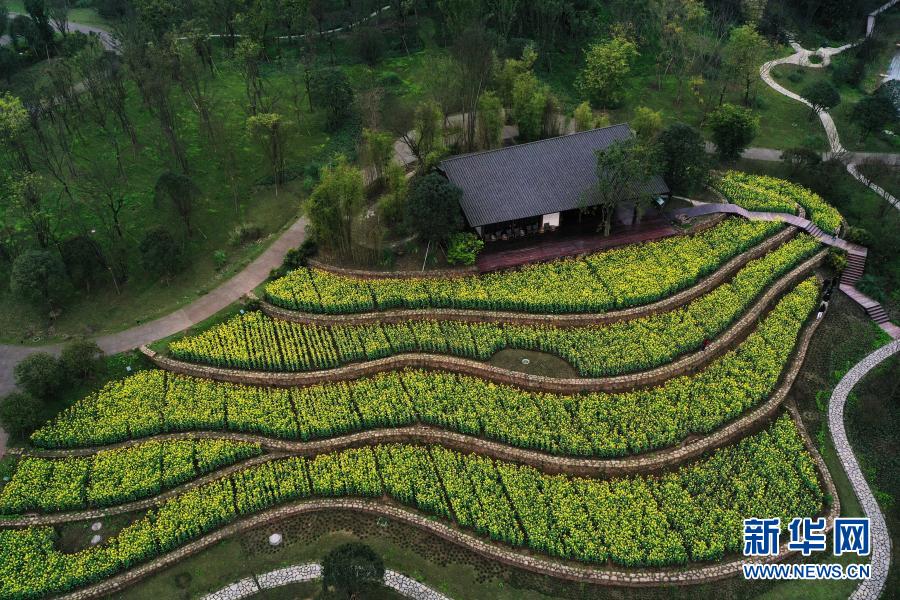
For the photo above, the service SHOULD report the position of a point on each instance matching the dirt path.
(195, 312)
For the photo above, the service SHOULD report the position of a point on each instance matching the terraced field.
(456, 447)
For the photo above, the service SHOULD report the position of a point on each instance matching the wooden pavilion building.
(528, 188)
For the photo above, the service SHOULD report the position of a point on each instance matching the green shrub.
(82, 359)
(244, 233)
(40, 375)
(464, 249)
(837, 260)
(21, 414)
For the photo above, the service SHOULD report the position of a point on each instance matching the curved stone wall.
(560, 320)
(686, 364)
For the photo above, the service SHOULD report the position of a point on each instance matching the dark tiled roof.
(533, 179)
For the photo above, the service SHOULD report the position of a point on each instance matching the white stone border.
(252, 585)
(871, 588)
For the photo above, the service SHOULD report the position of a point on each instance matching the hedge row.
(115, 476)
(619, 278)
(595, 424)
(693, 514)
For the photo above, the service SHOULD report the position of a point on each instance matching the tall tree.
(425, 141)
(460, 15)
(330, 90)
(39, 277)
(683, 156)
(733, 128)
(490, 121)
(58, 11)
(40, 16)
(607, 65)
(474, 51)
(103, 78)
(744, 52)
(270, 130)
(432, 208)
(181, 192)
(622, 169)
(873, 113)
(334, 205)
(249, 56)
(822, 95)
(151, 67)
(13, 125)
(378, 148)
(352, 569)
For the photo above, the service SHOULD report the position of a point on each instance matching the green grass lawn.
(796, 79)
(144, 297)
(84, 16)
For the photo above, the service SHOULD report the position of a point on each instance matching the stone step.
(879, 317)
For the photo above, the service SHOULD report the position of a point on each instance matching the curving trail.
(881, 539)
(801, 57)
(198, 310)
(254, 584)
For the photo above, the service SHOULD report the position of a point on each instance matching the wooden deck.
(543, 251)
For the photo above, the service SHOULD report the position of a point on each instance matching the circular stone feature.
(96, 540)
(526, 361)
(96, 526)
(275, 539)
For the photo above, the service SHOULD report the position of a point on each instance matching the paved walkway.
(198, 310)
(853, 250)
(871, 588)
(801, 57)
(105, 36)
(774, 155)
(250, 586)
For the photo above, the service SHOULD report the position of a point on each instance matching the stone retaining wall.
(639, 464)
(559, 320)
(686, 364)
(572, 571)
(698, 226)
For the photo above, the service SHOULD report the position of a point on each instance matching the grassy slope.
(783, 122)
(144, 297)
(797, 78)
(873, 423)
(85, 16)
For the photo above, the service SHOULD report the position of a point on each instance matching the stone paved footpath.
(871, 588)
(801, 57)
(250, 586)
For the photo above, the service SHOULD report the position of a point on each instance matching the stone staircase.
(856, 264)
(856, 254)
(814, 231)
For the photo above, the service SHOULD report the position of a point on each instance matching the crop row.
(763, 193)
(115, 476)
(256, 341)
(598, 424)
(693, 514)
(619, 278)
